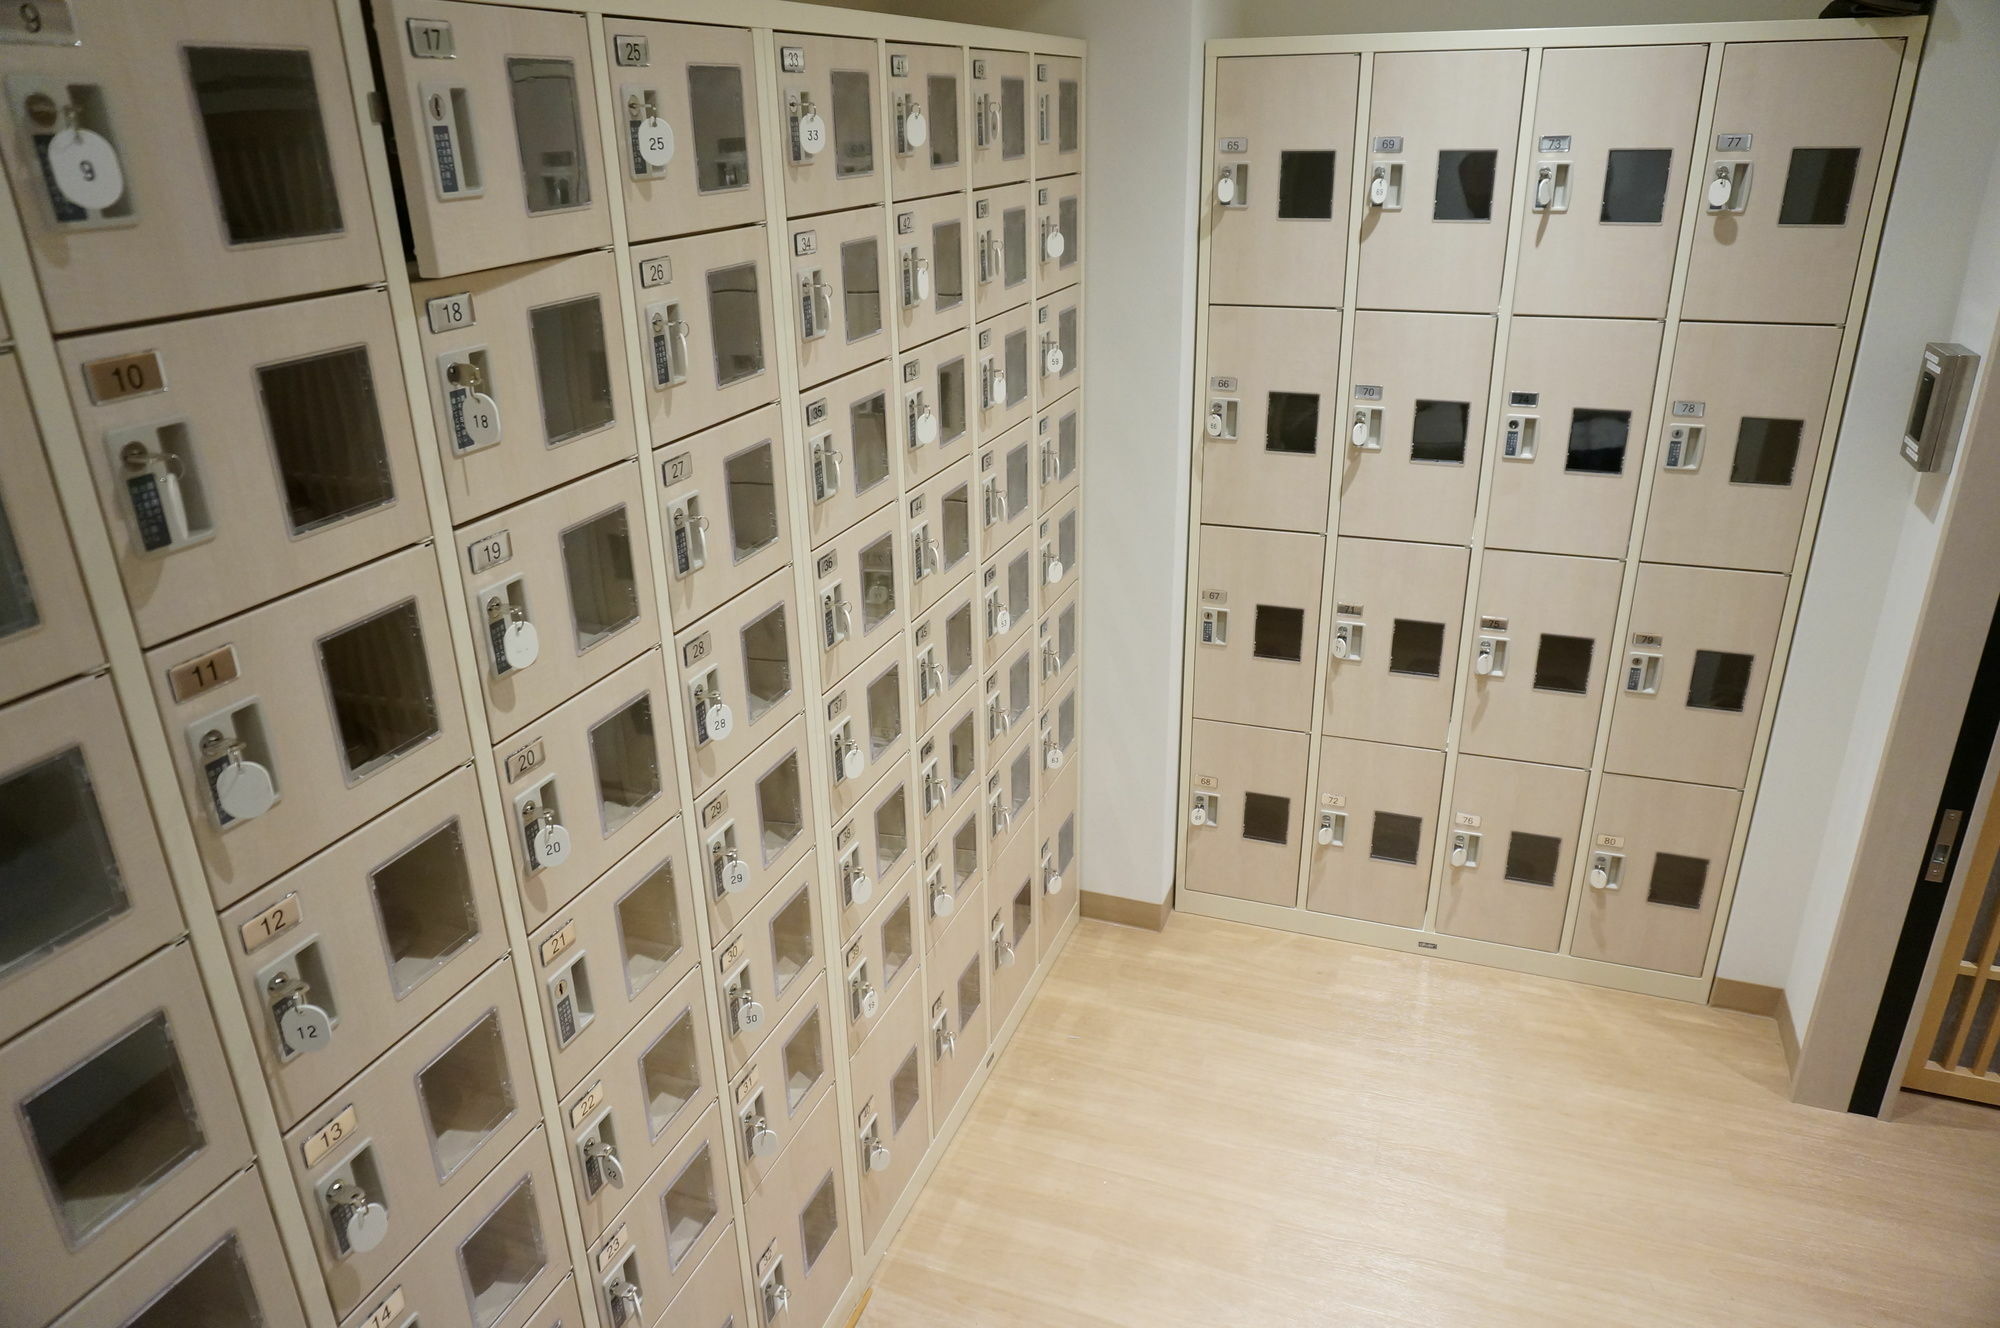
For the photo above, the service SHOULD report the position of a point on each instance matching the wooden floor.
(1230, 1127)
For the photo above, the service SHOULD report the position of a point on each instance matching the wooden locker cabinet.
(1059, 874)
(1005, 249)
(999, 117)
(1441, 135)
(826, 93)
(1272, 422)
(763, 810)
(1671, 847)
(955, 980)
(1056, 352)
(201, 107)
(1381, 802)
(45, 629)
(1698, 661)
(287, 433)
(1002, 371)
(890, 1089)
(744, 656)
(1568, 470)
(1004, 497)
(1552, 620)
(724, 499)
(1614, 126)
(874, 846)
(782, 1084)
(931, 269)
(1251, 784)
(935, 388)
(925, 111)
(672, 1221)
(1059, 545)
(1285, 126)
(946, 662)
(714, 1292)
(1060, 731)
(1393, 655)
(1418, 408)
(1058, 444)
(1058, 237)
(702, 82)
(1513, 886)
(1057, 115)
(858, 603)
(522, 392)
(1259, 593)
(853, 465)
(704, 329)
(1748, 404)
(943, 512)
(868, 727)
(797, 1222)
(844, 283)
(1807, 119)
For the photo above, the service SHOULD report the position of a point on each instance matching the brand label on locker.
(630, 52)
(1232, 146)
(272, 923)
(613, 1247)
(1690, 410)
(525, 759)
(590, 1102)
(1610, 841)
(1465, 819)
(430, 39)
(1333, 800)
(125, 376)
(490, 551)
(1554, 143)
(716, 807)
(792, 59)
(1492, 624)
(446, 312)
(386, 1313)
(1386, 143)
(805, 244)
(203, 673)
(1367, 392)
(324, 1140)
(1221, 385)
(556, 946)
(43, 22)
(1733, 142)
(655, 271)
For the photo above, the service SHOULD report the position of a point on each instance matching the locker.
(1416, 428)
(1393, 659)
(1008, 602)
(946, 662)
(1061, 727)
(1260, 601)
(755, 827)
(1538, 657)
(343, 955)
(1001, 248)
(122, 1117)
(1271, 427)
(1010, 700)
(564, 1306)
(1010, 789)
(1056, 448)
(224, 143)
(950, 889)
(605, 960)
(714, 1293)
(867, 727)
(941, 524)
(1058, 348)
(1748, 403)
(1000, 375)
(740, 666)
(522, 389)
(1060, 536)
(1058, 115)
(45, 629)
(1578, 392)
(1059, 875)
(858, 603)
(1011, 911)
(999, 139)
(934, 426)
(1512, 851)
(925, 113)
(586, 784)
(948, 763)
(1440, 170)
(1653, 879)
(298, 721)
(562, 594)
(75, 815)
(1058, 641)
(960, 1023)
(781, 1087)
(665, 1234)
(875, 967)
(1695, 671)
(1789, 179)
(1372, 831)
(692, 126)
(1058, 234)
(872, 847)
(734, 473)
(1278, 207)
(621, 1119)
(704, 329)
(892, 1109)
(222, 1264)
(496, 122)
(1246, 803)
(933, 261)
(1006, 490)
(826, 87)
(1614, 126)
(842, 280)
(797, 1226)
(264, 449)
(853, 466)
(401, 1144)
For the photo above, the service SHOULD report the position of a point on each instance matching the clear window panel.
(17, 598)
(1072, 229)
(1017, 481)
(898, 940)
(1416, 648)
(955, 522)
(466, 1095)
(58, 877)
(424, 905)
(1267, 818)
(379, 684)
(215, 1293)
(957, 645)
(1291, 424)
(1017, 368)
(861, 288)
(1465, 185)
(1305, 186)
(502, 1259)
(649, 928)
(1013, 246)
(1069, 113)
(1066, 443)
(733, 305)
(571, 368)
(753, 501)
(819, 1221)
(1396, 837)
(603, 588)
(951, 401)
(266, 142)
(853, 124)
(878, 583)
(792, 940)
(1597, 441)
(948, 263)
(1021, 919)
(1019, 584)
(627, 762)
(1720, 680)
(1532, 859)
(963, 753)
(326, 435)
(868, 432)
(971, 992)
(1818, 184)
(941, 107)
(1013, 119)
(1279, 633)
(1066, 338)
(892, 830)
(965, 851)
(1635, 186)
(1767, 451)
(781, 806)
(1562, 663)
(767, 667)
(670, 1074)
(1066, 721)
(690, 1206)
(1437, 432)
(1678, 881)
(885, 710)
(554, 169)
(721, 133)
(805, 1061)
(906, 1092)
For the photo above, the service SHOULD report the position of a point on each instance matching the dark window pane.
(861, 288)
(1279, 633)
(1416, 648)
(554, 170)
(1597, 441)
(1013, 119)
(1396, 837)
(326, 432)
(1465, 186)
(1677, 881)
(1305, 186)
(1562, 664)
(1438, 432)
(1721, 680)
(1635, 185)
(853, 124)
(1818, 185)
(261, 122)
(1267, 817)
(1531, 859)
(1291, 422)
(572, 368)
(1767, 451)
(721, 142)
(941, 97)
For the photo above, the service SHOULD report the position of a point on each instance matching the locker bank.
(544, 620)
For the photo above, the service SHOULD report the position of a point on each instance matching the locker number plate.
(1555, 143)
(328, 1137)
(620, 1239)
(559, 944)
(792, 59)
(631, 51)
(449, 311)
(590, 1102)
(1386, 143)
(655, 272)
(1233, 146)
(203, 673)
(1733, 142)
(388, 1313)
(491, 551)
(125, 376)
(41, 21)
(527, 758)
(272, 923)
(430, 39)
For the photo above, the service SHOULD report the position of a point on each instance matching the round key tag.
(1052, 359)
(1199, 816)
(522, 644)
(763, 1141)
(927, 426)
(720, 720)
(1378, 190)
(1215, 424)
(862, 889)
(870, 1002)
(942, 905)
(916, 129)
(1325, 835)
(85, 169)
(750, 1015)
(1002, 622)
(656, 141)
(551, 845)
(1719, 190)
(1056, 245)
(923, 281)
(1358, 435)
(1053, 884)
(999, 389)
(852, 763)
(736, 875)
(478, 421)
(1055, 572)
(1225, 188)
(1340, 647)
(305, 1028)
(1054, 760)
(812, 133)
(612, 1170)
(878, 1157)
(244, 790)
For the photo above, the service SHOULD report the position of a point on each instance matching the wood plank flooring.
(1227, 1127)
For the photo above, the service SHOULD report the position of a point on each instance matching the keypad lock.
(1642, 673)
(1489, 657)
(1003, 814)
(1332, 832)
(1518, 440)
(713, 720)
(1364, 431)
(855, 885)
(1607, 870)
(601, 1166)
(849, 761)
(816, 306)
(992, 384)
(1052, 355)
(746, 1012)
(1052, 881)
(1003, 949)
(874, 1153)
(359, 1223)
(627, 1304)
(473, 413)
(242, 788)
(515, 642)
(1232, 186)
(547, 839)
(153, 491)
(687, 530)
(1051, 660)
(1551, 192)
(943, 902)
(1205, 810)
(916, 278)
(934, 791)
(302, 1025)
(1464, 848)
(997, 721)
(726, 866)
(924, 553)
(80, 168)
(1348, 638)
(1683, 450)
(913, 128)
(759, 1139)
(930, 677)
(667, 345)
(1222, 416)
(825, 469)
(1052, 566)
(836, 617)
(1052, 752)
(1385, 186)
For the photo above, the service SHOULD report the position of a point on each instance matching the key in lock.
(302, 1026)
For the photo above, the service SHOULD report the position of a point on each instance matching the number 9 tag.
(85, 169)
(656, 141)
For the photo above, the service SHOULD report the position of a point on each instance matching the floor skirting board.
(1126, 912)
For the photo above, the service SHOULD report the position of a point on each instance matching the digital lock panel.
(999, 143)
(1277, 211)
(740, 667)
(1056, 115)
(797, 1224)
(46, 633)
(1371, 831)
(1273, 423)
(1259, 606)
(724, 500)
(934, 387)
(1058, 236)
(1511, 851)
(933, 262)
(1393, 650)
(854, 467)
(1542, 637)
(1413, 432)
(926, 113)
(691, 124)
(893, 1089)
(1654, 873)
(1246, 811)
(826, 91)
(843, 277)
(704, 329)
(1005, 250)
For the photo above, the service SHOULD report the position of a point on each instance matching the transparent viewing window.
(266, 141)
(1013, 119)
(1066, 338)
(554, 170)
(1267, 818)
(892, 830)
(781, 806)
(819, 1221)
(423, 901)
(1066, 441)
(906, 1092)
(690, 1206)
(898, 940)
(1562, 663)
(734, 306)
(1532, 859)
(1068, 111)
(853, 124)
(951, 401)
(1465, 185)
(1021, 781)
(1678, 881)
(670, 1074)
(627, 762)
(721, 133)
(805, 1061)
(1305, 186)
(649, 928)
(1017, 481)
(1013, 246)
(1437, 432)
(885, 711)
(1720, 680)
(58, 877)
(878, 583)
(941, 106)
(861, 288)
(603, 589)
(466, 1094)
(964, 852)
(571, 368)
(379, 685)
(1017, 368)
(1022, 913)
(1066, 634)
(792, 941)
(971, 993)
(1767, 451)
(963, 752)
(1279, 633)
(767, 668)
(753, 501)
(1635, 186)
(326, 435)
(1291, 424)
(868, 433)
(1020, 683)
(955, 518)
(1597, 441)
(215, 1293)
(1019, 586)
(1416, 648)
(1072, 229)
(17, 598)
(1066, 843)
(502, 1259)
(948, 257)
(957, 645)
(1818, 184)
(113, 1127)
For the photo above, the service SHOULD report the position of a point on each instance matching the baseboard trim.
(859, 1307)
(1127, 912)
(1788, 1032)
(1747, 997)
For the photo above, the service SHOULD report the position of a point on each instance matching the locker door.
(797, 1225)
(1372, 831)
(926, 116)
(755, 826)
(1539, 657)
(894, 1097)
(497, 121)
(767, 970)
(875, 846)
(853, 465)
(931, 415)
(960, 1020)
(1614, 126)
(1696, 669)
(858, 601)
(1278, 207)
(1416, 427)
(740, 666)
(714, 1294)
(882, 939)
(1273, 422)
(999, 139)
(1060, 872)
(1654, 876)
(948, 765)
(1057, 115)
(522, 391)
(1010, 790)
(1058, 237)
(1058, 338)
(826, 89)
(1057, 635)
(932, 269)
(224, 162)
(723, 493)
(45, 629)
(1058, 444)
(1010, 702)
(1577, 396)
(947, 659)
(1441, 131)
(1006, 490)
(1058, 566)
(1394, 654)
(1001, 373)
(868, 727)
(692, 126)
(1004, 248)
(1748, 402)
(841, 281)
(941, 522)
(1259, 619)
(783, 1084)
(1512, 852)
(1789, 179)
(672, 1228)
(703, 328)
(1247, 800)
(1010, 922)
(1007, 599)
(1061, 728)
